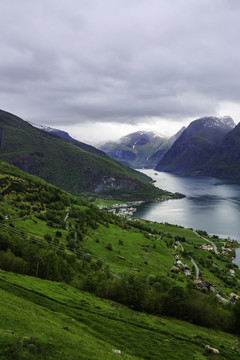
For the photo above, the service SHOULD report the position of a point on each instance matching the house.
(200, 284)
(178, 263)
(175, 269)
(206, 247)
(234, 297)
(232, 272)
(187, 272)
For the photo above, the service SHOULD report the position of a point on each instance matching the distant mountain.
(197, 144)
(138, 149)
(66, 164)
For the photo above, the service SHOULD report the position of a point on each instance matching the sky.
(101, 69)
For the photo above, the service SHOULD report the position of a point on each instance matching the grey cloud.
(124, 61)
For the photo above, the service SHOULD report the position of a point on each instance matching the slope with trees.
(67, 165)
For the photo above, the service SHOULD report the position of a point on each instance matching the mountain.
(197, 144)
(138, 149)
(226, 161)
(67, 164)
(64, 135)
(159, 154)
(50, 130)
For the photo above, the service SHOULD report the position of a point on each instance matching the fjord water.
(211, 204)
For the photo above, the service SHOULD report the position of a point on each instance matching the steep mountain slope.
(66, 165)
(139, 149)
(64, 135)
(159, 154)
(197, 144)
(226, 161)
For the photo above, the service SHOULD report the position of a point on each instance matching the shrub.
(109, 247)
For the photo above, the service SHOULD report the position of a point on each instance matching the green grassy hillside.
(67, 254)
(42, 319)
(67, 165)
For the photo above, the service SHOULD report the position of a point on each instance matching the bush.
(109, 247)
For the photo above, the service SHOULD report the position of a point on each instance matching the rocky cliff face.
(102, 182)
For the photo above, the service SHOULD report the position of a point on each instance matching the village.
(126, 209)
(206, 286)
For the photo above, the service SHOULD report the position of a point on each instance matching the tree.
(48, 238)
(109, 247)
(176, 302)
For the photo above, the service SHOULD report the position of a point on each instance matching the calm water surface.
(211, 204)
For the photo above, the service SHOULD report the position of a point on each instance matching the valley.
(109, 276)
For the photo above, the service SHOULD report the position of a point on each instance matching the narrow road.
(115, 275)
(196, 267)
(66, 217)
(178, 242)
(213, 245)
(224, 301)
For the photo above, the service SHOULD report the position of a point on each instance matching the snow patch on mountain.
(218, 122)
(42, 127)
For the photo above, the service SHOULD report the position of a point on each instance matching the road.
(224, 301)
(66, 217)
(213, 245)
(196, 267)
(178, 242)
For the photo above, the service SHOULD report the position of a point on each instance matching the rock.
(115, 351)
(211, 350)
(67, 329)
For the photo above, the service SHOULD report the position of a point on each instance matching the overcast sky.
(103, 68)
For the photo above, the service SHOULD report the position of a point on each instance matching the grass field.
(51, 320)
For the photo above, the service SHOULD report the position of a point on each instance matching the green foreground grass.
(50, 320)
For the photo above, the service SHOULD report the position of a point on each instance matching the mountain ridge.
(197, 144)
(138, 149)
(226, 161)
(67, 165)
